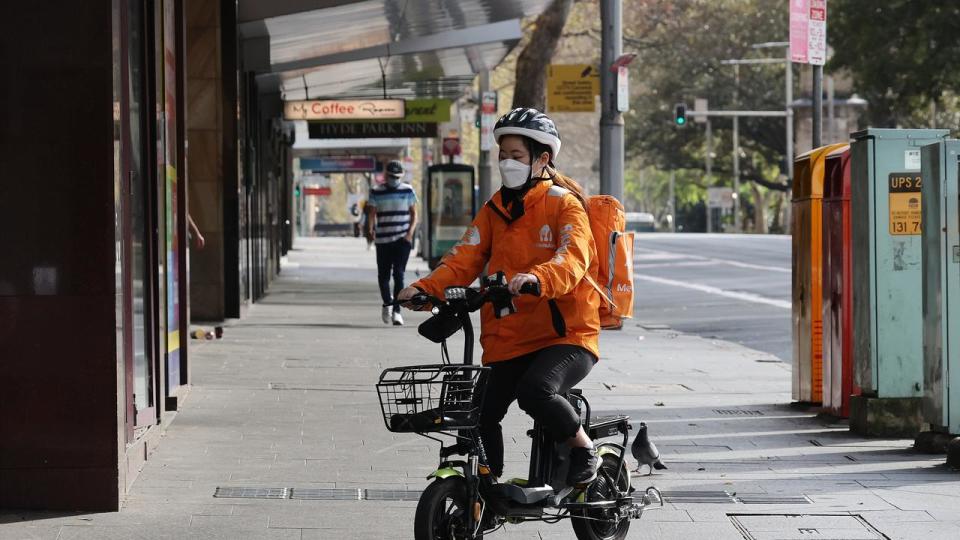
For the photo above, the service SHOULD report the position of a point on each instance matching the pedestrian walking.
(391, 221)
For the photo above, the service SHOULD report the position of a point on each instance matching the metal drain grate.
(313, 494)
(773, 499)
(804, 526)
(738, 412)
(391, 495)
(251, 493)
(698, 497)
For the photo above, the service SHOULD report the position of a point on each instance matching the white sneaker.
(397, 319)
(385, 314)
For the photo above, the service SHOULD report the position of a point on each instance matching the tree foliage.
(899, 52)
(681, 46)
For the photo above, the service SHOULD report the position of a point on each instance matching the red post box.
(837, 285)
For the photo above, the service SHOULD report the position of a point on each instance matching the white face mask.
(393, 181)
(514, 174)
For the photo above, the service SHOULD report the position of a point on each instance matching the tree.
(681, 44)
(899, 53)
(531, 80)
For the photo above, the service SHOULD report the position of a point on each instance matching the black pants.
(392, 259)
(535, 381)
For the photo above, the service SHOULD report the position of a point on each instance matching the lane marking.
(746, 297)
(657, 255)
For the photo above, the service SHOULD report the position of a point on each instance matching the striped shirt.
(393, 211)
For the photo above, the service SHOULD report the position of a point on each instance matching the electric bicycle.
(443, 402)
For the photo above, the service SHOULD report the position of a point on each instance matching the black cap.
(394, 169)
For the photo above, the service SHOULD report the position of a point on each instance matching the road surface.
(731, 287)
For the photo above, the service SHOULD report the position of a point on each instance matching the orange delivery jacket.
(551, 240)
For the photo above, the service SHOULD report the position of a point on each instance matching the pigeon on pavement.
(645, 452)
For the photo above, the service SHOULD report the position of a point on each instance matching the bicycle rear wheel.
(601, 526)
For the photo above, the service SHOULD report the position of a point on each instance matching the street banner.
(337, 164)
(488, 117)
(808, 31)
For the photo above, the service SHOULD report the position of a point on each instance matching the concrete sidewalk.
(286, 400)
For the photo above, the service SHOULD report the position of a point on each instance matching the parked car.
(641, 222)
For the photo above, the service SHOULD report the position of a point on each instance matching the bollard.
(808, 274)
(887, 280)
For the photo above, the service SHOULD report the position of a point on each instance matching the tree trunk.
(759, 210)
(530, 88)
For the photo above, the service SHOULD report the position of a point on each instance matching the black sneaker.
(583, 466)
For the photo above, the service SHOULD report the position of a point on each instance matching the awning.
(316, 49)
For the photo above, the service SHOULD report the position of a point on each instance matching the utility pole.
(736, 151)
(831, 112)
(673, 202)
(611, 119)
(484, 170)
(817, 106)
(709, 174)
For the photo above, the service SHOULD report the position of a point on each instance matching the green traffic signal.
(680, 114)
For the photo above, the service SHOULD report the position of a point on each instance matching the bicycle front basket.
(417, 399)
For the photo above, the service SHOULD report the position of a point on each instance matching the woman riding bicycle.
(534, 229)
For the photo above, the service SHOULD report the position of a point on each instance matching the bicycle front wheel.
(442, 511)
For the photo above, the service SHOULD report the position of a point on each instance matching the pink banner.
(799, 30)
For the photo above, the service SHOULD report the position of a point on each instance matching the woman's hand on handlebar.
(523, 283)
(407, 294)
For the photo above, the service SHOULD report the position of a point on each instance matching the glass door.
(136, 169)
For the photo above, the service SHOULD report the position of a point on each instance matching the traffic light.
(296, 190)
(680, 115)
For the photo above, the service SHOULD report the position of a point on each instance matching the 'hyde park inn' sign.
(420, 120)
(364, 130)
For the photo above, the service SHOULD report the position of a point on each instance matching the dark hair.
(536, 150)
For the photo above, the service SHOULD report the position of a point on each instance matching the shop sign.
(335, 109)
(318, 191)
(415, 110)
(572, 87)
(338, 164)
(371, 130)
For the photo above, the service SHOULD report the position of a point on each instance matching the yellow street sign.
(905, 203)
(572, 87)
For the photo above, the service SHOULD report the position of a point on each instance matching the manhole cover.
(738, 412)
(804, 527)
(772, 499)
(346, 494)
(391, 495)
(251, 493)
(694, 497)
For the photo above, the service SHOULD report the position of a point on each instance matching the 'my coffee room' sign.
(372, 118)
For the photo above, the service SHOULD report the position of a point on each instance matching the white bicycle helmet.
(529, 123)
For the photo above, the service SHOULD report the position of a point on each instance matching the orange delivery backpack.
(614, 278)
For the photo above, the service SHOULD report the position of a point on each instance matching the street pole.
(673, 202)
(817, 106)
(709, 174)
(484, 170)
(788, 108)
(831, 113)
(736, 151)
(611, 120)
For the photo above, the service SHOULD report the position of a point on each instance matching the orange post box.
(807, 260)
(837, 285)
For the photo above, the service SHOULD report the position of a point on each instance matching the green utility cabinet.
(887, 279)
(941, 286)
